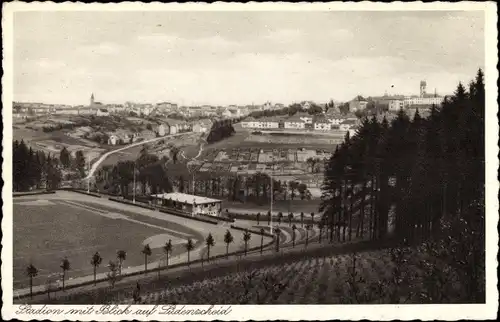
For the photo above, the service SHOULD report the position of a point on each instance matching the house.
(87, 111)
(267, 123)
(267, 106)
(322, 124)
(306, 105)
(425, 99)
(358, 104)
(163, 129)
(102, 112)
(202, 126)
(113, 139)
(231, 113)
(173, 128)
(147, 134)
(347, 125)
(306, 118)
(396, 105)
(294, 122)
(352, 131)
(335, 119)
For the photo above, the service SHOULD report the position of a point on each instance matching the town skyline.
(240, 58)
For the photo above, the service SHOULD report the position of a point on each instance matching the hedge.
(20, 194)
(183, 215)
(155, 269)
(251, 231)
(264, 217)
(85, 192)
(139, 204)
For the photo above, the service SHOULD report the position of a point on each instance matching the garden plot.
(221, 156)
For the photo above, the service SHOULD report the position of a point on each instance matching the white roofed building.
(191, 204)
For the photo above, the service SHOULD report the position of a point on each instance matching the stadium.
(74, 226)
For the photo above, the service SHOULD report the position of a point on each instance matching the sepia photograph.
(180, 161)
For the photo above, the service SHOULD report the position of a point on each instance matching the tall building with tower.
(423, 85)
(424, 99)
(92, 99)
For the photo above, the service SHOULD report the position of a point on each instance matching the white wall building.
(102, 112)
(429, 100)
(294, 122)
(347, 125)
(322, 125)
(396, 104)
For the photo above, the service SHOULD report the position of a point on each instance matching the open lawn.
(46, 231)
(130, 154)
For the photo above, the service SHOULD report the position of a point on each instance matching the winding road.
(103, 157)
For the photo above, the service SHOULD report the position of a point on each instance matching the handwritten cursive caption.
(113, 310)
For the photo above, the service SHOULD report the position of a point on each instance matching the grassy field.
(129, 154)
(47, 231)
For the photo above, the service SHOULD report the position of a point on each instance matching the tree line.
(150, 174)
(292, 110)
(115, 266)
(220, 131)
(415, 180)
(255, 188)
(38, 170)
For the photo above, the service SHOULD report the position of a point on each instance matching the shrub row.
(264, 218)
(100, 280)
(127, 202)
(251, 231)
(84, 192)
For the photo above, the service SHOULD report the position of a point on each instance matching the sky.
(223, 58)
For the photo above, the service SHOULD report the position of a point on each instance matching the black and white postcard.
(311, 161)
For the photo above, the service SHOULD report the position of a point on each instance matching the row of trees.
(421, 178)
(149, 171)
(290, 218)
(68, 162)
(34, 169)
(256, 187)
(220, 131)
(292, 110)
(115, 266)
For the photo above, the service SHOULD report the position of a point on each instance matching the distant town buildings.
(396, 102)
(359, 103)
(294, 122)
(304, 122)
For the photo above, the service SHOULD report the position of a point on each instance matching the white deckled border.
(282, 312)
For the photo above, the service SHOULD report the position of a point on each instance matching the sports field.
(46, 231)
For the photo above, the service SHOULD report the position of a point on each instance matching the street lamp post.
(133, 200)
(88, 180)
(192, 183)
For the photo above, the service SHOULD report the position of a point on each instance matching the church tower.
(92, 99)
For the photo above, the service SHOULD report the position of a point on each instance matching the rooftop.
(349, 122)
(359, 98)
(185, 198)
